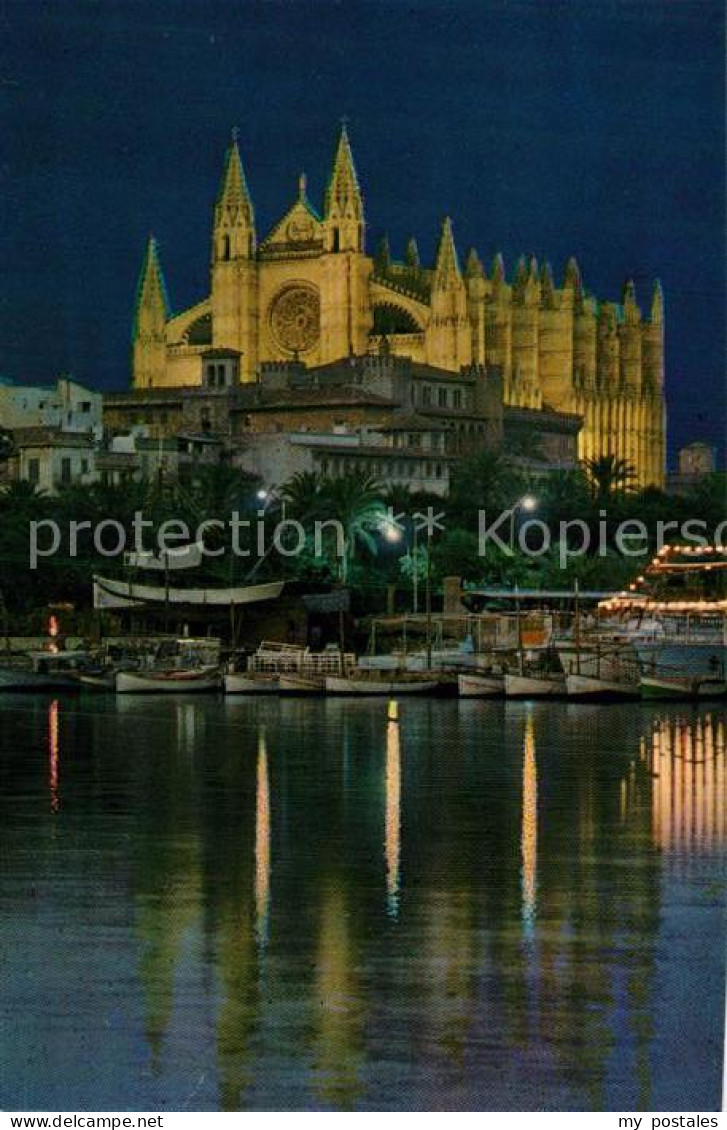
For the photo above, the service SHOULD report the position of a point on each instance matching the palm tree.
(609, 478)
(303, 493)
(355, 501)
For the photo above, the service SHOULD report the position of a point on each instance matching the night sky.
(594, 129)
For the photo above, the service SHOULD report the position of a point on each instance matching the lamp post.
(528, 502)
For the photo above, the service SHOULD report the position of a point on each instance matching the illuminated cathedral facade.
(308, 292)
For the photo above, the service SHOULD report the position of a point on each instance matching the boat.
(674, 615)
(361, 683)
(681, 687)
(596, 687)
(480, 685)
(549, 685)
(43, 671)
(98, 681)
(174, 681)
(245, 682)
(290, 682)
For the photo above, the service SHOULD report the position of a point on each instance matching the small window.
(457, 398)
(65, 470)
(426, 396)
(442, 398)
(84, 466)
(34, 471)
(85, 406)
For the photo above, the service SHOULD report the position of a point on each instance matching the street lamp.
(528, 503)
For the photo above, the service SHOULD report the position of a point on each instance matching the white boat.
(534, 686)
(480, 686)
(177, 681)
(242, 682)
(681, 687)
(589, 686)
(292, 683)
(364, 684)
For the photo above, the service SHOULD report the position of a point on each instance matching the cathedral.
(308, 292)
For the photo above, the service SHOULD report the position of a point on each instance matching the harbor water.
(343, 904)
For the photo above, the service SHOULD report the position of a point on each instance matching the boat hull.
(480, 686)
(239, 683)
(12, 680)
(149, 682)
(587, 686)
(661, 688)
(381, 687)
(530, 686)
(301, 684)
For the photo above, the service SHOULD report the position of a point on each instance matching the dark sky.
(586, 128)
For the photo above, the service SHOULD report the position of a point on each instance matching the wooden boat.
(480, 685)
(244, 682)
(681, 687)
(363, 683)
(98, 681)
(177, 681)
(593, 687)
(290, 682)
(534, 686)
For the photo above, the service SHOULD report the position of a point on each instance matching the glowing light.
(528, 502)
(53, 756)
(262, 844)
(529, 831)
(392, 829)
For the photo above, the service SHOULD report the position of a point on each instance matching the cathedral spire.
(628, 300)
(446, 270)
(234, 234)
(234, 193)
(473, 266)
(152, 304)
(572, 277)
(411, 255)
(547, 286)
(657, 304)
(343, 205)
(343, 198)
(498, 269)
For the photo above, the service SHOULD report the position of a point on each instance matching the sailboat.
(537, 680)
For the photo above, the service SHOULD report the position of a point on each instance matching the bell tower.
(234, 299)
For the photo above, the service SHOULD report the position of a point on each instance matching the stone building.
(309, 291)
(399, 420)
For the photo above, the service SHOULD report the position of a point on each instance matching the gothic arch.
(391, 318)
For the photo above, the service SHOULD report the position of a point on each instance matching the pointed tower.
(411, 255)
(346, 313)
(449, 343)
(234, 267)
(525, 384)
(498, 339)
(652, 383)
(150, 317)
(629, 333)
(477, 288)
(343, 211)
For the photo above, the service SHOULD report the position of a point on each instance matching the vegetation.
(359, 546)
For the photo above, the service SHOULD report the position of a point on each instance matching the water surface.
(280, 904)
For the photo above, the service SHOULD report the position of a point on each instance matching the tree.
(609, 478)
(355, 501)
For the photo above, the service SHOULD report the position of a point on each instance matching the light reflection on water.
(337, 904)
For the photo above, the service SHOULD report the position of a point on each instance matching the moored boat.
(480, 685)
(294, 683)
(592, 687)
(244, 682)
(534, 686)
(194, 680)
(364, 684)
(681, 687)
